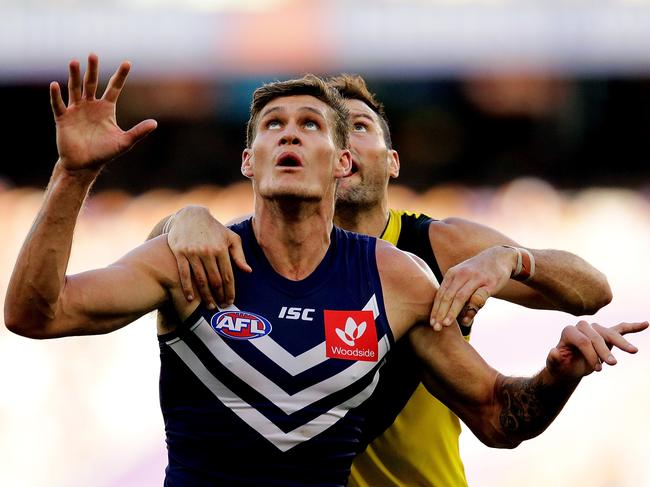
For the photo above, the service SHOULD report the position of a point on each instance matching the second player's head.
(374, 161)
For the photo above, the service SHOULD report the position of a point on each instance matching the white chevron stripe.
(296, 364)
(283, 441)
(269, 389)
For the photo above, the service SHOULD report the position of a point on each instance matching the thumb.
(140, 131)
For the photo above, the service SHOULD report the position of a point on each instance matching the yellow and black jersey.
(420, 447)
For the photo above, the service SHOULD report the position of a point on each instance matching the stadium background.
(527, 116)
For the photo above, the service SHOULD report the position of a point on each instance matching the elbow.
(23, 324)
(603, 298)
(499, 441)
(495, 438)
(600, 298)
(23, 327)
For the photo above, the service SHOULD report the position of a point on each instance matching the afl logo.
(240, 325)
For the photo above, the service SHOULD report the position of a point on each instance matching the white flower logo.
(352, 331)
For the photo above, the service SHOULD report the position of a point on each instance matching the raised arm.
(476, 265)
(41, 300)
(502, 411)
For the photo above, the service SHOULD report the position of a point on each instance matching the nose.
(289, 137)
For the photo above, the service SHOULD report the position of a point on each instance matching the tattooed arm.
(503, 411)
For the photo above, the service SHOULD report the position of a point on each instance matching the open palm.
(87, 134)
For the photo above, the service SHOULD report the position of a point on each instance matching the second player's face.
(293, 154)
(373, 164)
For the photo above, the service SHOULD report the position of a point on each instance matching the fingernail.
(437, 326)
(447, 321)
(466, 320)
(190, 297)
(611, 359)
(211, 305)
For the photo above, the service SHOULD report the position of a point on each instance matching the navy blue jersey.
(272, 390)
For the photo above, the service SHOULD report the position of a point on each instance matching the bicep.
(103, 300)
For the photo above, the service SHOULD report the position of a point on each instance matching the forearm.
(568, 282)
(525, 407)
(39, 273)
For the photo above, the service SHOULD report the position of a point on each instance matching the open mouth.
(289, 160)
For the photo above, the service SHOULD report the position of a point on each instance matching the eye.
(311, 125)
(359, 127)
(273, 124)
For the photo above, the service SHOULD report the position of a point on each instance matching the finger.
(74, 83)
(237, 253)
(458, 302)
(467, 314)
(476, 302)
(227, 278)
(58, 107)
(625, 328)
(185, 276)
(215, 281)
(443, 298)
(91, 77)
(576, 339)
(201, 280)
(116, 83)
(140, 131)
(615, 339)
(599, 344)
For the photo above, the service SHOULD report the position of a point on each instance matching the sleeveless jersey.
(273, 390)
(421, 446)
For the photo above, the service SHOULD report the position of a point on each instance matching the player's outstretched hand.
(583, 348)
(466, 286)
(203, 248)
(87, 134)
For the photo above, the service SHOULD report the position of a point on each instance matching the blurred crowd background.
(528, 116)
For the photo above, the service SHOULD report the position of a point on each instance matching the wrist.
(555, 379)
(524, 266)
(73, 176)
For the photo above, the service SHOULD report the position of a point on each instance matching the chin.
(292, 194)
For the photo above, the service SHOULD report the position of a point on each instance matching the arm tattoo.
(529, 405)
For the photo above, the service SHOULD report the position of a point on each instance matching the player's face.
(293, 154)
(373, 164)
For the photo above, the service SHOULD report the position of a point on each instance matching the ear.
(344, 164)
(393, 163)
(247, 163)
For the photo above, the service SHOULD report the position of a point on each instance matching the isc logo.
(304, 314)
(240, 325)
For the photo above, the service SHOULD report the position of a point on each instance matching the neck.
(369, 219)
(294, 235)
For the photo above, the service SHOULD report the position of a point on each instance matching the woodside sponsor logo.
(351, 335)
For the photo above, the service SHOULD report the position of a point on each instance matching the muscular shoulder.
(408, 286)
